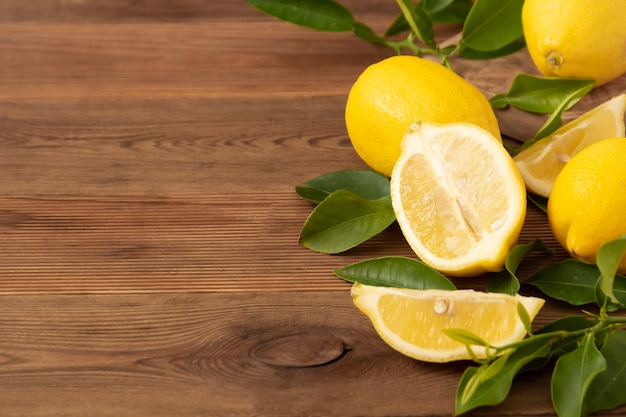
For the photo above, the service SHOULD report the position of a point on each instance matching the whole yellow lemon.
(391, 95)
(587, 205)
(577, 38)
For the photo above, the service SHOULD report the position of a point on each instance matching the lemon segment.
(413, 321)
(587, 206)
(541, 162)
(390, 95)
(458, 198)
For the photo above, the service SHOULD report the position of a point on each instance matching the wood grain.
(149, 225)
(206, 354)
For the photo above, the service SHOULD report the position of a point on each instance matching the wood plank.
(178, 59)
(158, 11)
(169, 146)
(262, 354)
(218, 242)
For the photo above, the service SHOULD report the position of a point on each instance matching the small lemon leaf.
(466, 52)
(538, 94)
(395, 271)
(419, 21)
(607, 389)
(466, 337)
(608, 260)
(573, 374)
(362, 31)
(525, 318)
(365, 183)
(506, 281)
(324, 15)
(440, 11)
(574, 282)
(540, 202)
(494, 390)
(555, 121)
(492, 25)
(344, 220)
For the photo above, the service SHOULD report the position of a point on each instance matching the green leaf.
(539, 202)
(608, 260)
(362, 31)
(446, 11)
(493, 24)
(572, 376)
(440, 11)
(525, 318)
(419, 21)
(554, 121)
(570, 280)
(538, 94)
(465, 337)
(607, 389)
(506, 281)
(466, 52)
(344, 220)
(395, 271)
(324, 15)
(365, 183)
(574, 282)
(568, 324)
(494, 390)
(564, 344)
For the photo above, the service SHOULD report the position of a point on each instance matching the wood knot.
(299, 350)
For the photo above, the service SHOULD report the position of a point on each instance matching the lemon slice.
(542, 162)
(458, 197)
(412, 321)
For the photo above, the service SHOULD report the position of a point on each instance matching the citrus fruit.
(392, 94)
(458, 197)
(587, 206)
(413, 321)
(541, 162)
(576, 38)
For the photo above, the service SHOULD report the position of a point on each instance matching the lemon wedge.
(458, 197)
(413, 321)
(542, 162)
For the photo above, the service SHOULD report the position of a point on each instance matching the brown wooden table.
(150, 263)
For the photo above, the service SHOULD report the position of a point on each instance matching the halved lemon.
(412, 321)
(458, 197)
(542, 162)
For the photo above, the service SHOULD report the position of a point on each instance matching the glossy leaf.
(563, 344)
(362, 31)
(465, 337)
(455, 11)
(570, 280)
(568, 324)
(554, 121)
(324, 15)
(540, 202)
(494, 390)
(440, 11)
(365, 183)
(493, 24)
(506, 281)
(419, 21)
(466, 52)
(608, 260)
(344, 220)
(607, 389)
(395, 271)
(538, 94)
(573, 374)
(525, 318)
